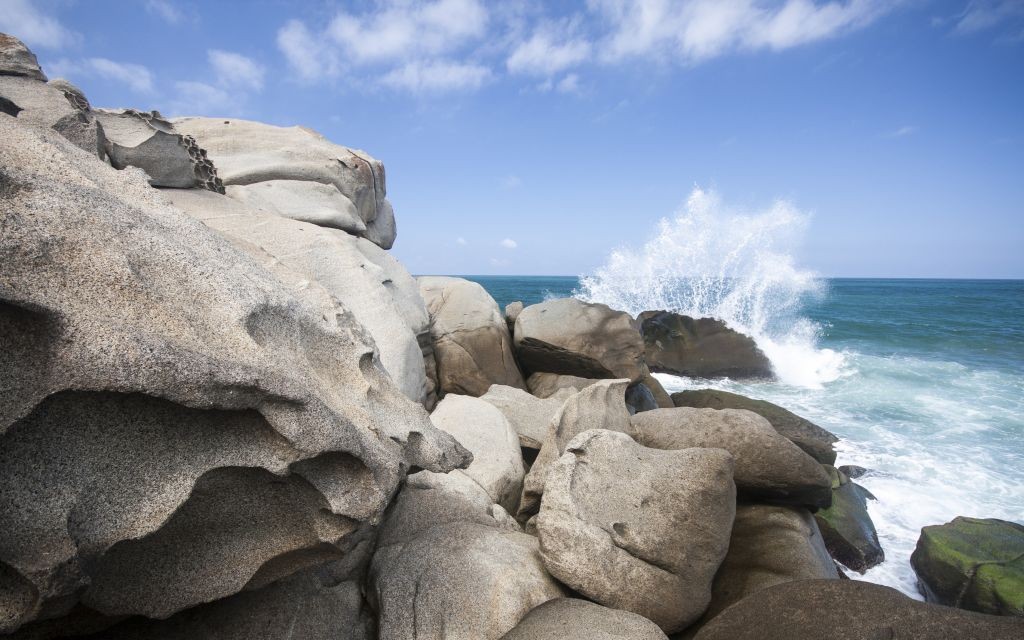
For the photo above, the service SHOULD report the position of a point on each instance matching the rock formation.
(17, 60)
(529, 415)
(699, 348)
(567, 618)
(847, 528)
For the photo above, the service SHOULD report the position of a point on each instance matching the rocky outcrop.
(850, 610)
(144, 139)
(371, 284)
(461, 581)
(768, 466)
(296, 173)
(570, 618)
(180, 422)
(638, 529)
(576, 338)
(699, 348)
(472, 346)
(17, 60)
(600, 406)
(529, 415)
(972, 563)
(512, 311)
(847, 528)
(546, 385)
(814, 440)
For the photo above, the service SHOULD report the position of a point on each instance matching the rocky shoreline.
(228, 412)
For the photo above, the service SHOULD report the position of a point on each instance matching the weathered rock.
(529, 415)
(472, 346)
(817, 442)
(972, 563)
(768, 466)
(769, 545)
(576, 338)
(179, 423)
(636, 528)
(297, 173)
(146, 140)
(17, 60)
(699, 348)
(497, 461)
(853, 471)
(371, 284)
(599, 406)
(40, 105)
(850, 610)
(571, 618)
(461, 581)
(512, 311)
(847, 528)
(661, 397)
(639, 398)
(73, 94)
(546, 385)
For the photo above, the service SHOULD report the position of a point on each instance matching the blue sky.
(534, 138)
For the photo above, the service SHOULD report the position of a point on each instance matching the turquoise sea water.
(923, 380)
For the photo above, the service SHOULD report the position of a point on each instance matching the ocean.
(923, 380)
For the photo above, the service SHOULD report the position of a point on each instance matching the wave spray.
(736, 267)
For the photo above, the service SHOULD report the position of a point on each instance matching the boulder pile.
(226, 411)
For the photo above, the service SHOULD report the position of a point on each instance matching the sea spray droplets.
(710, 262)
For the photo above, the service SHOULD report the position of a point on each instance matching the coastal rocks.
(497, 461)
(529, 415)
(571, 618)
(768, 466)
(512, 311)
(769, 545)
(847, 528)
(971, 563)
(297, 173)
(650, 545)
(546, 385)
(814, 440)
(146, 140)
(472, 346)
(571, 337)
(461, 581)
(850, 610)
(699, 348)
(371, 284)
(599, 406)
(178, 425)
(17, 60)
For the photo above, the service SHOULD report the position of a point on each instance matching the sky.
(533, 138)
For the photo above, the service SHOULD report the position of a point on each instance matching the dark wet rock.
(816, 441)
(972, 563)
(853, 471)
(699, 348)
(639, 398)
(847, 528)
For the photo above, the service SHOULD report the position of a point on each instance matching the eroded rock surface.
(17, 60)
(44, 106)
(546, 385)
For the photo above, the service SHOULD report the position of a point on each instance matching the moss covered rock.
(846, 527)
(972, 563)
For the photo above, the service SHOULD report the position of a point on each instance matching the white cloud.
(165, 10)
(546, 54)
(436, 76)
(25, 22)
(136, 76)
(461, 241)
(234, 69)
(199, 98)
(569, 84)
(509, 243)
(306, 53)
(902, 132)
(982, 15)
(511, 181)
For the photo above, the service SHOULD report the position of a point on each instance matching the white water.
(737, 267)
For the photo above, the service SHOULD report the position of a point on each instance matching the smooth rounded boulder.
(973, 563)
(768, 466)
(577, 338)
(545, 385)
(638, 529)
(850, 610)
(700, 348)
(570, 618)
(529, 415)
(472, 346)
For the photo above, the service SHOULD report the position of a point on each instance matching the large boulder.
(460, 581)
(847, 528)
(180, 422)
(599, 406)
(371, 284)
(850, 610)
(699, 348)
(497, 460)
(297, 173)
(572, 337)
(768, 466)
(17, 60)
(529, 415)
(638, 529)
(571, 618)
(472, 346)
(546, 385)
(817, 442)
(973, 563)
